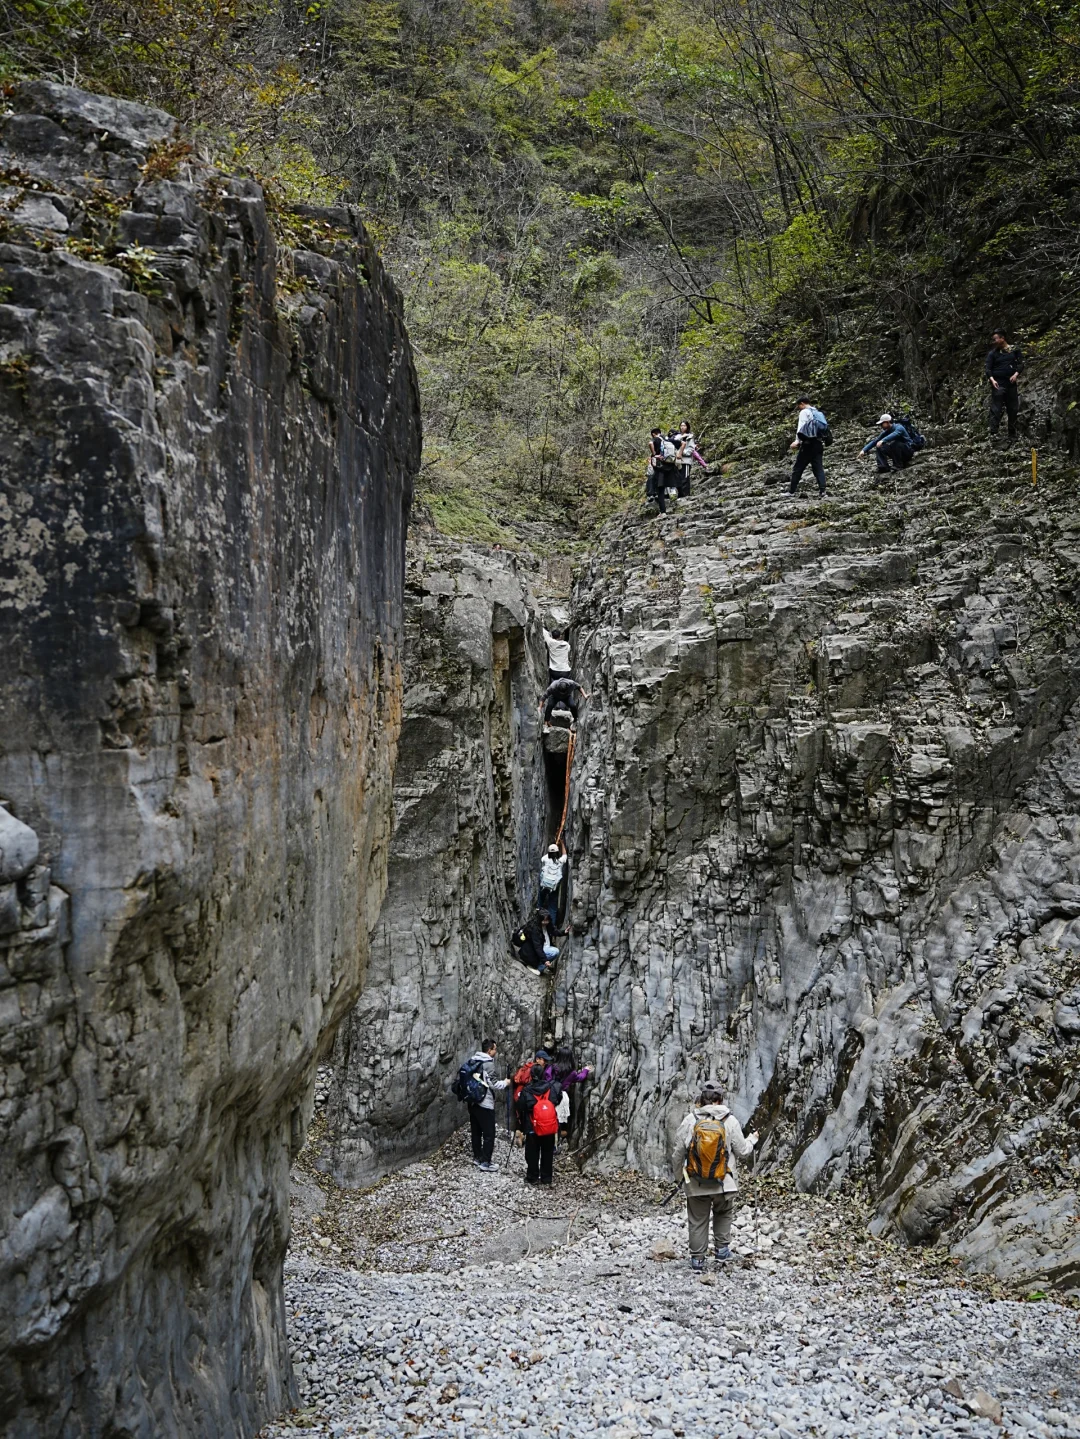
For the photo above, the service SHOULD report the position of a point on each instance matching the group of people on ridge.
(541, 1105)
(670, 461)
(894, 444)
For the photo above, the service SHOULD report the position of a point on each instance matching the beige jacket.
(739, 1147)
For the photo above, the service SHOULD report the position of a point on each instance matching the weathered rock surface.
(826, 837)
(206, 447)
(469, 806)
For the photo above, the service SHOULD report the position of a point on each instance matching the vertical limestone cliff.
(825, 843)
(208, 429)
(470, 807)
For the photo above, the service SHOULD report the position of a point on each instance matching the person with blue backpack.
(812, 434)
(892, 448)
(476, 1087)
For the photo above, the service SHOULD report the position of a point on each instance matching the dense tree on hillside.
(602, 211)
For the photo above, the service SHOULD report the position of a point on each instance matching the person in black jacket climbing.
(562, 694)
(529, 941)
(1003, 367)
(539, 1126)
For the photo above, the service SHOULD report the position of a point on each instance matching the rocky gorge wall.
(208, 431)
(825, 842)
(469, 818)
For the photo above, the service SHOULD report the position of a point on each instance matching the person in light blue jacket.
(892, 447)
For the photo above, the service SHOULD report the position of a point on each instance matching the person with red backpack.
(708, 1144)
(537, 1117)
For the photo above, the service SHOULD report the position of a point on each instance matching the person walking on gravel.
(811, 434)
(1003, 367)
(482, 1111)
(537, 1110)
(708, 1145)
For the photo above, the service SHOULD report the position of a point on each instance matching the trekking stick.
(662, 1202)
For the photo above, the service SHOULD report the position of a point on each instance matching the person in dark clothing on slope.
(891, 447)
(661, 468)
(562, 694)
(1003, 367)
(528, 942)
(539, 1147)
(810, 446)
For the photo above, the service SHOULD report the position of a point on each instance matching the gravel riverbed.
(446, 1301)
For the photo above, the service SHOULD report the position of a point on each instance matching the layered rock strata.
(470, 810)
(208, 428)
(825, 842)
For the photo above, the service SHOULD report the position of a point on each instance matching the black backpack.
(467, 1087)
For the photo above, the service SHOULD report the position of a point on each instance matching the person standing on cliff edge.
(1003, 367)
(708, 1144)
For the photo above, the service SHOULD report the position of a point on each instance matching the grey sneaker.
(697, 1264)
(722, 1254)
(489, 1168)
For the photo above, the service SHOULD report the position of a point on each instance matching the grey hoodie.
(484, 1076)
(738, 1147)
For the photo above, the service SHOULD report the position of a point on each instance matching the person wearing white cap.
(892, 448)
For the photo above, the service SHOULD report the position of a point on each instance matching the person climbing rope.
(529, 942)
(558, 648)
(552, 874)
(537, 1108)
(708, 1143)
(562, 694)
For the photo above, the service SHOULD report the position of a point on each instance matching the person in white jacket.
(482, 1114)
(706, 1197)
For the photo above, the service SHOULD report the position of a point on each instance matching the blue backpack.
(467, 1086)
(916, 440)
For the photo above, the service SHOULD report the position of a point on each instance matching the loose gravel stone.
(800, 1335)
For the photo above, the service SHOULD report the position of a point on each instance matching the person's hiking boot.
(697, 1264)
(723, 1254)
(487, 1167)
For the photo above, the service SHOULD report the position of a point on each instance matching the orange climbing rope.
(566, 792)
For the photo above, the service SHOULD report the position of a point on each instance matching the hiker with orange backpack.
(537, 1106)
(708, 1144)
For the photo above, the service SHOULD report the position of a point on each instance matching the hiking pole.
(660, 1204)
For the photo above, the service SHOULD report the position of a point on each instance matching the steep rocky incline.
(469, 804)
(208, 429)
(825, 840)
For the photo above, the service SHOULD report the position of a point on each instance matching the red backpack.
(545, 1120)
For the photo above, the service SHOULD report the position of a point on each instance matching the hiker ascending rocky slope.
(208, 429)
(825, 841)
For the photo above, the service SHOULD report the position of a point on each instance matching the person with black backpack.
(812, 434)
(661, 470)
(708, 1144)
(475, 1086)
(538, 1119)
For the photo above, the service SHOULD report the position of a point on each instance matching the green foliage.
(604, 216)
